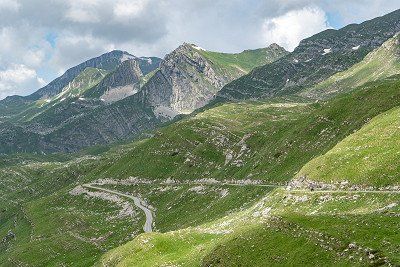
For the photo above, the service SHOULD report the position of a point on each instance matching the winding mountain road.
(141, 204)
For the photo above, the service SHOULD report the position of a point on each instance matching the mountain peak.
(275, 46)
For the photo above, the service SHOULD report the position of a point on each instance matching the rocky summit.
(118, 96)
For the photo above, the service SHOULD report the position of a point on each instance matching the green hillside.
(381, 63)
(283, 179)
(268, 141)
(284, 228)
(243, 146)
(246, 60)
(370, 156)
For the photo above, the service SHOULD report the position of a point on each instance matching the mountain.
(314, 60)
(104, 105)
(189, 77)
(13, 105)
(123, 82)
(282, 181)
(187, 173)
(108, 61)
(382, 62)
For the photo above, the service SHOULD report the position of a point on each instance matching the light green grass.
(370, 156)
(245, 61)
(381, 63)
(279, 230)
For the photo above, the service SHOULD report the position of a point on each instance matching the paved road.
(141, 204)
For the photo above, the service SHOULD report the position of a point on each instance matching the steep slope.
(314, 60)
(194, 172)
(380, 63)
(123, 82)
(189, 77)
(369, 157)
(99, 107)
(118, 121)
(84, 81)
(13, 105)
(108, 61)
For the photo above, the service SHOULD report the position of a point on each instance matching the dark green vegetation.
(226, 142)
(116, 97)
(314, 60)
(216, 180)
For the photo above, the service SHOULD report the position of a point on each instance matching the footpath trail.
(140, 203)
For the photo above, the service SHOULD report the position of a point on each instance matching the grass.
(246, 60)
(381, 63)
(269, 234)
(267, 141)
(370, 156)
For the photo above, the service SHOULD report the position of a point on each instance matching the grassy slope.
(85, 80)
(261, 141)
(246, 60)
(381, 63)
(269, 141)
(285, 228)
(369, 156)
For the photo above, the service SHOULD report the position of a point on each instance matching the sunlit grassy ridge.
(285, 228)
(369, 156)
(246, 60)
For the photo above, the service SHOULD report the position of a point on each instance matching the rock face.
(108, 61)
(105, 124)
(185, 81)
(189, 77)
(381, 63)
(121, 83)
(315, 59)
(85, 106)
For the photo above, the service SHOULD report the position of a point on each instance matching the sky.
(40, 39)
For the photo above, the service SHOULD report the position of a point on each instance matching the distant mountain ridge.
(381, 63)
(117, 96)
(108, 61)
(315, 59)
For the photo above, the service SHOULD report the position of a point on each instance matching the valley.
(259, 158)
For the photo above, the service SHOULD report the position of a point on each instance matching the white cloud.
(126, 9)
(83, 11)
(18, 79)
(51, 36)
(74, 49)
(289, 29)
(34, 57)
(12, 5)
